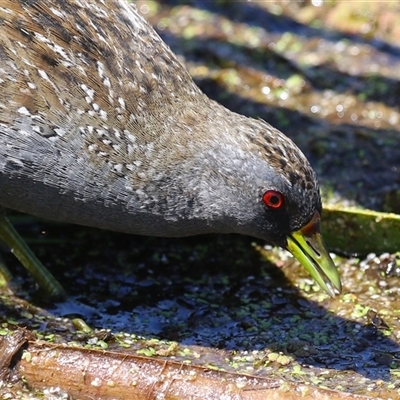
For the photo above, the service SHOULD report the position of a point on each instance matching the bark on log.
(96, 374)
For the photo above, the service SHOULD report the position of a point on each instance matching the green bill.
(308, 247)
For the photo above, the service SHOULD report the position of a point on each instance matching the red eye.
(273, 199)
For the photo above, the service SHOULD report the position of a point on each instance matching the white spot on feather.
(23, 111)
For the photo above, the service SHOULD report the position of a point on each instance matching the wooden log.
(357, 231)
(96, 374)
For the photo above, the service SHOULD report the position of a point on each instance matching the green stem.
(5, 274)
(43, 277)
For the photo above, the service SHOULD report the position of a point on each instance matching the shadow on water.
(212, 291)
(254, 15)
(265, 59)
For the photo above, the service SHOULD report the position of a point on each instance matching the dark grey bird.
(100, 125)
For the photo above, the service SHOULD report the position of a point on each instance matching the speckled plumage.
(100, 125)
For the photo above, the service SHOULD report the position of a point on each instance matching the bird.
(102, 126)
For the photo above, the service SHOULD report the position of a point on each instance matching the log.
(357, 231)
(98, 374)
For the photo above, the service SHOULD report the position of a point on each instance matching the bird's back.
(89, 96)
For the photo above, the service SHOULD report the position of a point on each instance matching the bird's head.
(274, 195)
(290, 204)
(293, 222)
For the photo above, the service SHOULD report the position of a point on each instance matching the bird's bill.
(308, 247)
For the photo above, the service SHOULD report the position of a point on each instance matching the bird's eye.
(273, 199)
